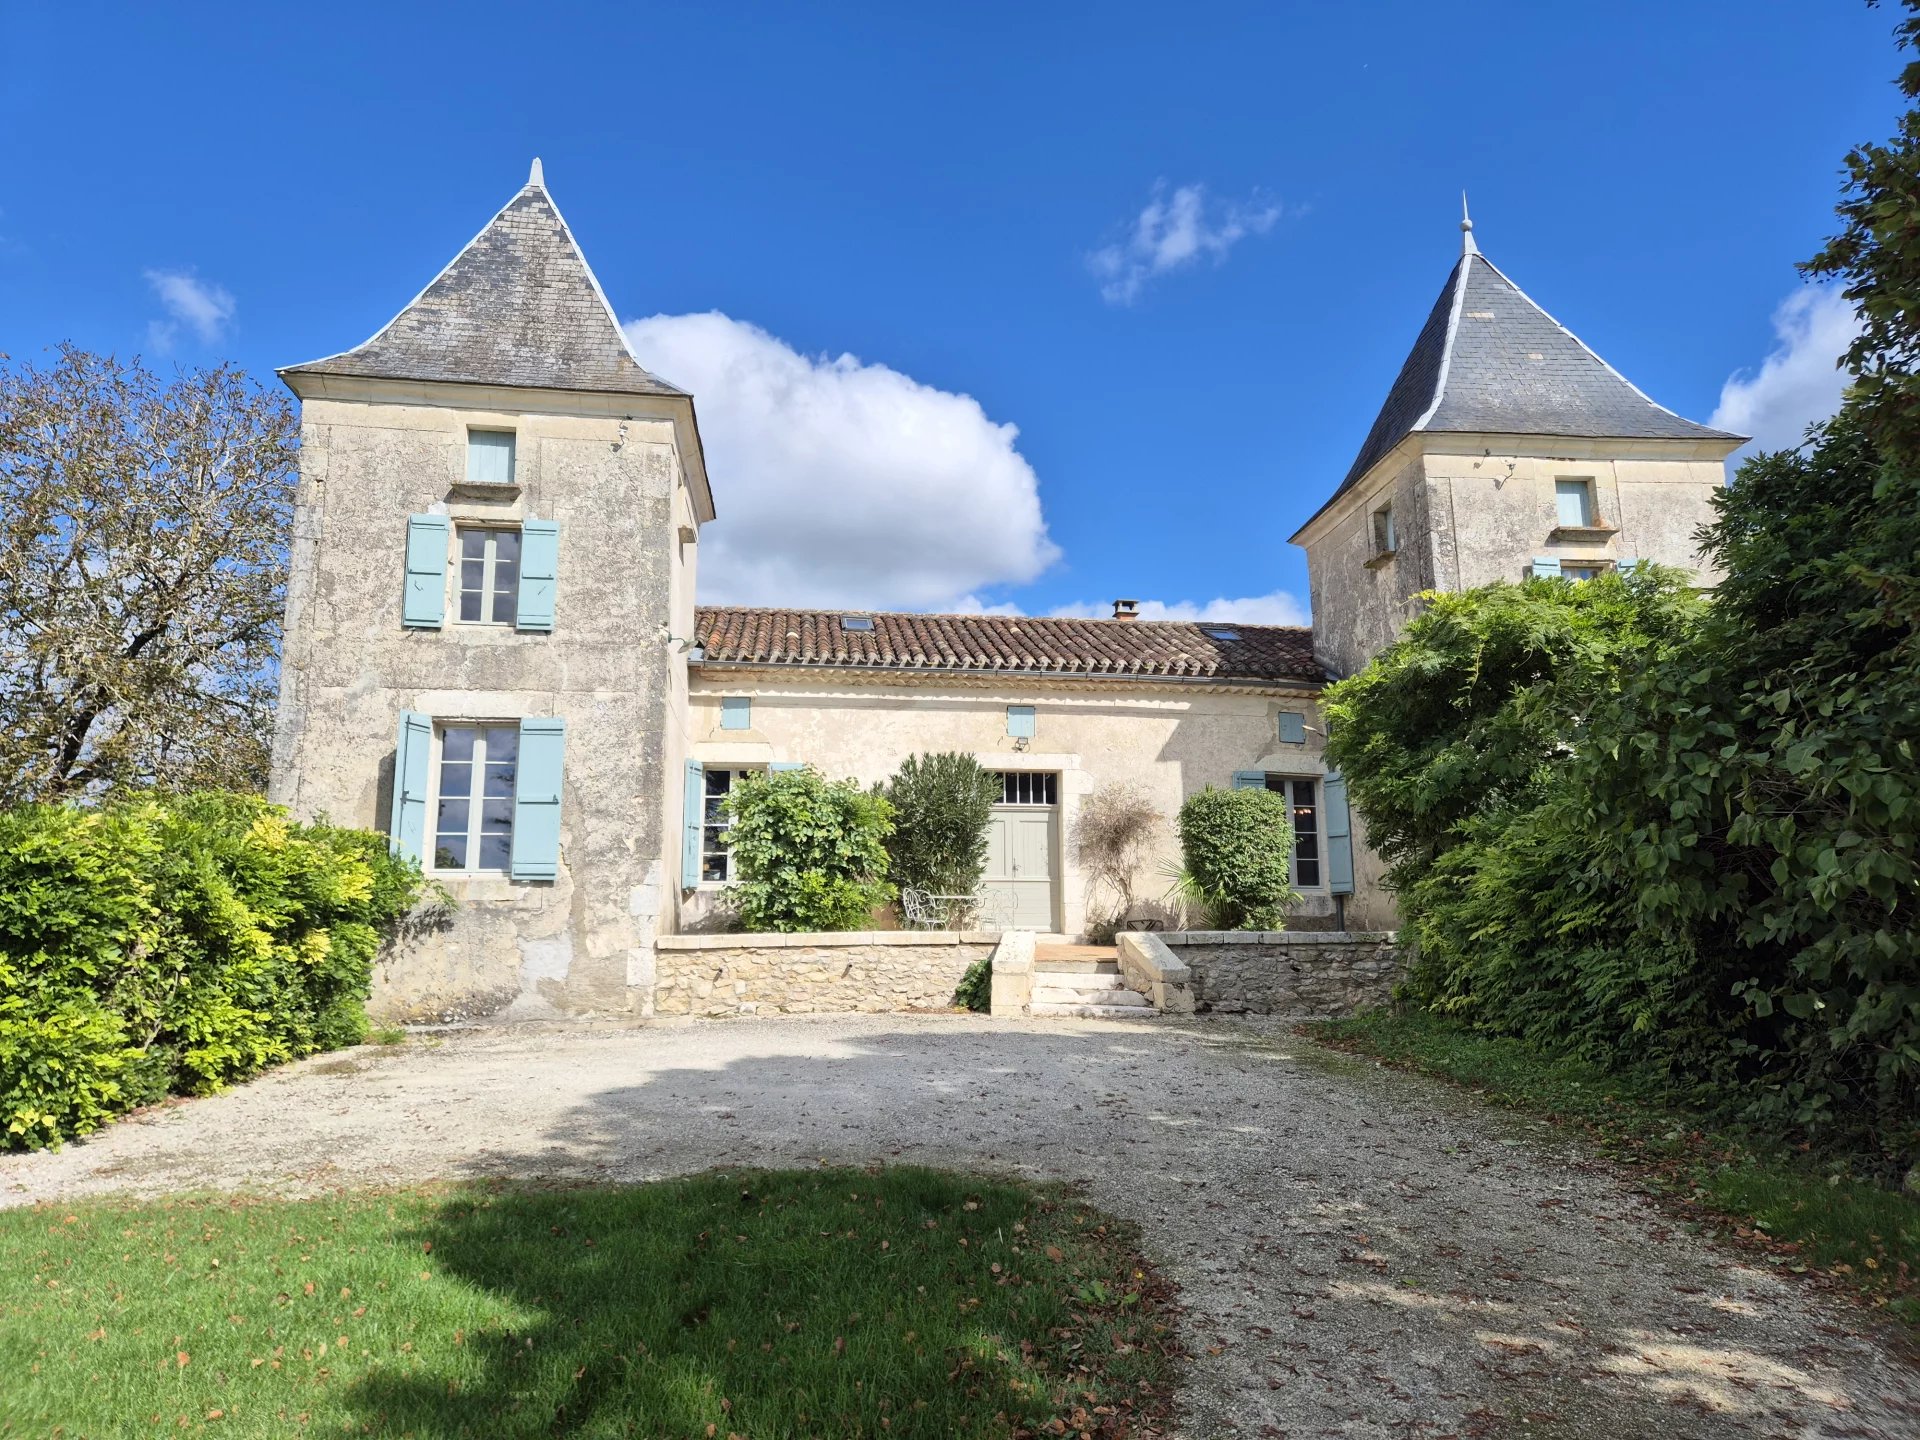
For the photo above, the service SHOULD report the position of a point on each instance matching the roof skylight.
(1220, 632)
(856, 622)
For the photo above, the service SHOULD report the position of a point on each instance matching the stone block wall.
(873, 971)
(1258, 972)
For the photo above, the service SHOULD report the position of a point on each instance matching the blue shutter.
(1339, 834)
(690, 821)
(736, 712)
(1546, 567)
(536, 798)
(424, 604)
(539, 573)
(780, 765)
(1626, 563)
(1020, 722)
(1293, 727)
(490, 457)
(1249, 779)
(412, 756)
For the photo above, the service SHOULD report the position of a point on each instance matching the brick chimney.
(1126, 609)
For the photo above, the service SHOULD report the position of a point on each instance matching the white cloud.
(844, 483)
(204, 308)
(1275, 608)
(1174, 230)
(1799, 382)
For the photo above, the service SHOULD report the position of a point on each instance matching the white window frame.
(1383, 532)
(1319, 824)
(475, 802)
(488, 573)
(1596, 568)
(1589, 503)
(735, 771)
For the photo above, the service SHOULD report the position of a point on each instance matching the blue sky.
(962, 200)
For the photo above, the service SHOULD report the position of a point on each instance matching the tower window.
(1386, 539)
(490, 457)
(489, 575)
(1573, 500)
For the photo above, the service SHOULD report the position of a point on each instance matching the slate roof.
(898, 642)
(1489, 360)
(517, 306)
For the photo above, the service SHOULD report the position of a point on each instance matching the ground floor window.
(716, 859)
(1302, 795)
(473, 814)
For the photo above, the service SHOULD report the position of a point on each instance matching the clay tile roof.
(517, 306)
(901, 642)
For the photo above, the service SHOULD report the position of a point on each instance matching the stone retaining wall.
(1262, 972)
(804, 974)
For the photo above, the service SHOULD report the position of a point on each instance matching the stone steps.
(1068, 995)
(1083, 982)
(1048, 1009)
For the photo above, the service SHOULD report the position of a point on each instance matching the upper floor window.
(490, 457)
(1386, 539)
(489, 575)
(1573, 501)
(473, 813)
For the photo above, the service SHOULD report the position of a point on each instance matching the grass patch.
(1801, 1213)
(763, 1304)
(386, 1035)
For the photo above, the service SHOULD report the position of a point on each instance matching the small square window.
(489, 575)
(1386, 539)
(490, 457)
(1573, 502)
(736, 712)
(856, 622)
(1021, 724)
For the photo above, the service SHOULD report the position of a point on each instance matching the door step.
(1116, 997)
(1047, 1009)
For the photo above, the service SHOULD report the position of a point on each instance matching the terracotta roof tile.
(1006, 642)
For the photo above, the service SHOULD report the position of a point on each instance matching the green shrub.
(975, 990)
(1238, 846)
(941, 806)
(810, 853)
(161, 945)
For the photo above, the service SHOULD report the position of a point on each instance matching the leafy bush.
(164, 945)
(810, 852)
(1239, 856)
(941, 806)
(975, 990)
(1113, 837)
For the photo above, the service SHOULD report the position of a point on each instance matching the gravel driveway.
(1362, 1254)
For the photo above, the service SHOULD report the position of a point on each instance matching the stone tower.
(489, 605)
(1505, 448)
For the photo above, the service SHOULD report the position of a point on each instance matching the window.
(1029, 787)
(736, 712)
(1306, 827)
(489, 575)
(716, 860)
(473, 819)
(1581, 569)
(1220, 632)
(856, 622)
(1386, 539)
(1573, 500)
(490, 457)
(1021, 724)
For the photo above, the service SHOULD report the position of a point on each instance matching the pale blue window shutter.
(539, 573)
(536, 798)
(1020, 722)
(690, 822)
(412, 759)
(780, 765)
(736, 712)
(1626, 563)
(490, 457)
(1293, 727)
(1339, 834)
(424, 605)
(1546, 567)
(1249, 779)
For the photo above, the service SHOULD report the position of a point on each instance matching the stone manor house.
(494, 648)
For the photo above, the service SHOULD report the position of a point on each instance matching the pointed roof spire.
(1467, 247)
(538, 177)
(518, 306)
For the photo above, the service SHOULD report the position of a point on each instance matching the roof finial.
(1467, 247)
(537, 178)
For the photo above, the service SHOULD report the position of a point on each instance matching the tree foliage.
(162, 944)
(143, 527)
(1238, 847)
(811, 853)
(941, 808)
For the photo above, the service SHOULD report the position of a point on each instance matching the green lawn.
(758, 1304)
(1801, 1212)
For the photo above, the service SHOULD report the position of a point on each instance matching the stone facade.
(1287, 973)
(808, 974)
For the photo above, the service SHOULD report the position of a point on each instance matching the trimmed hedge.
(165, 945)
(1238, 846)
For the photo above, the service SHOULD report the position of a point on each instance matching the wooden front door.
(1020, 845)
